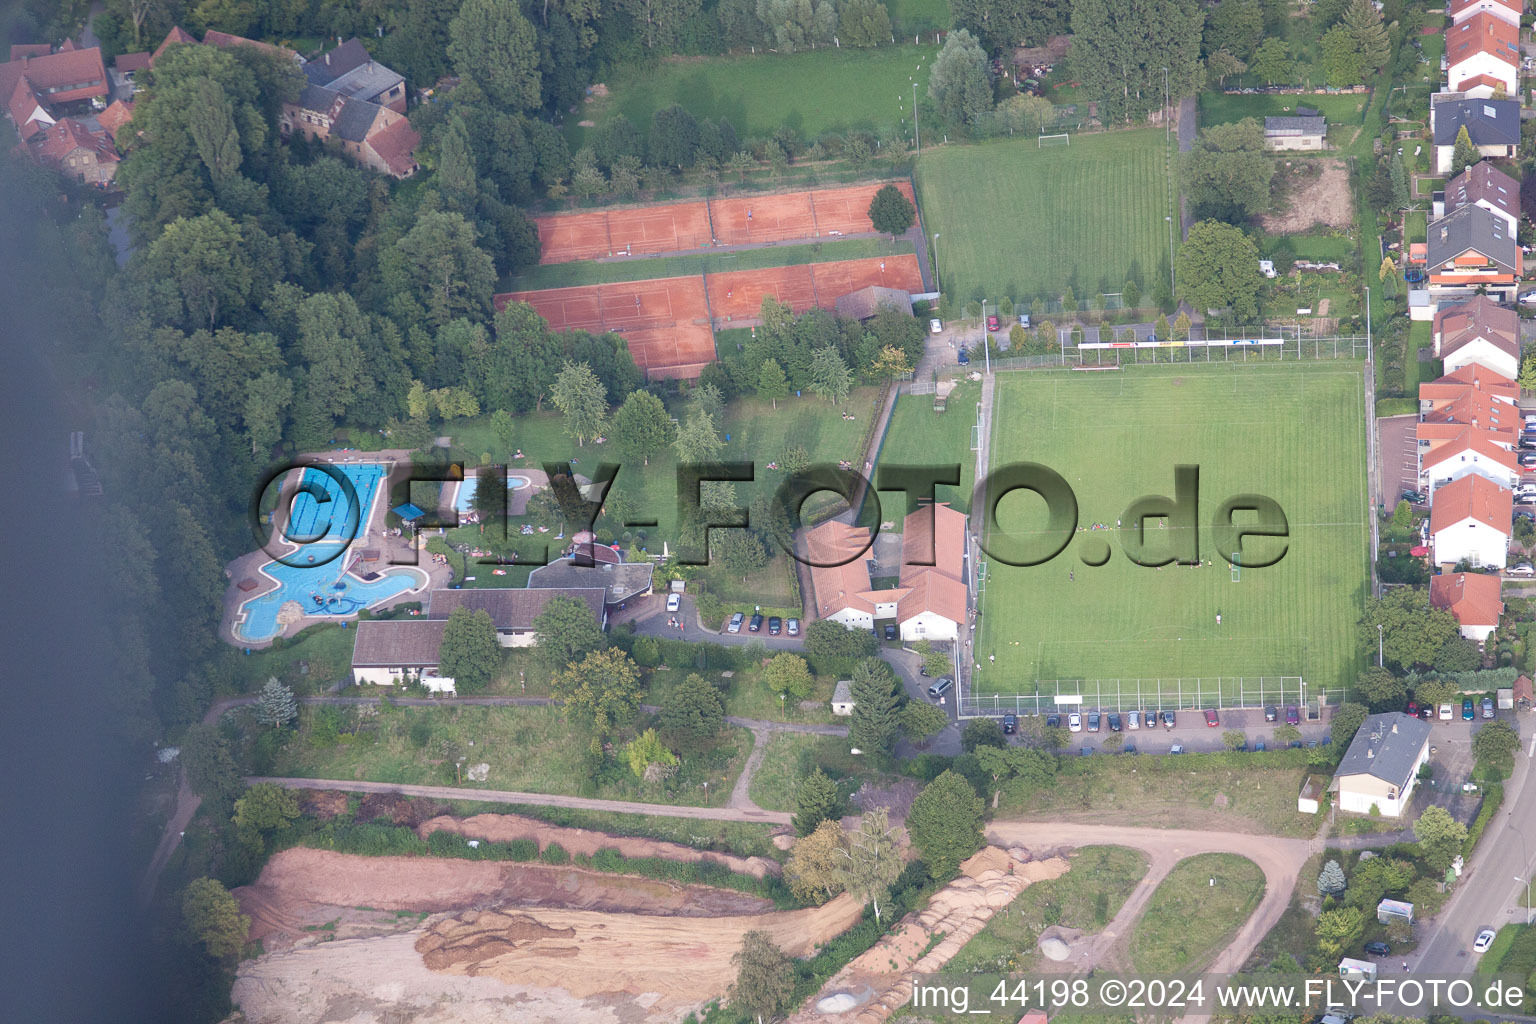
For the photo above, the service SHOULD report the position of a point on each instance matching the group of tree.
(1407, 633)
(1227, 173)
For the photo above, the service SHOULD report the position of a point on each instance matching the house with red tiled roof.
(1445, 421)
(1483, 56)
(225, 40)
(1478, 331)
(176, 35)
(1473, 377)
(1476, 599)
(1469, 451)
(75, 151)
(1470, 522)
(114, 117)
(58, 80)
(1508, 11)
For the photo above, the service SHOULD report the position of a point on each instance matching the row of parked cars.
(776, 625)
(1150, 718)
(1448, 711)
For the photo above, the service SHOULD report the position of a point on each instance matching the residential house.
(1478, 332)
(1381, 766)
(351, 71)
(1473, 377)
(388, 652)
(1469, 520)
(224, 40)
(1472, 251)
(1470, 451)
(371, 135)
(1507, 11)
(1307, 130)
(1493, 126)
(125, 73)
(1483, 185)
(837, 554)
(176, 35)
(1498, 421)
(1474, 598)
(620, 582)
(1482, 55)
(68, 81)
(73, 149)
(114, 117)
(513, 609)
(842, 697)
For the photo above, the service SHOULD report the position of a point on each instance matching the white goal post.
(1064, 139)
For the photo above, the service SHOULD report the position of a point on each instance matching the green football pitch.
(1293, 432)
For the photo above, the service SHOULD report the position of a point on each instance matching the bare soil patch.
(1309, 192)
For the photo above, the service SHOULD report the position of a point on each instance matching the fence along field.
(1293, 432)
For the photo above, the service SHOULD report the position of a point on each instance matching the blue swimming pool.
(466, 493)
(326, 588)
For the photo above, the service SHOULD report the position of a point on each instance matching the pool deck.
(372, 533)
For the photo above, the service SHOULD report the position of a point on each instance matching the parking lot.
(1399, 457)
(1192, 734)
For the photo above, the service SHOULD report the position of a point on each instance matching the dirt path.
(740, 799)
(505, 796)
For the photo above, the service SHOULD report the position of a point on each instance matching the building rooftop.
(1473, 497)
(1474, 598)
(397, 643)
(619, 582)
(511, 608)
(1387, 747)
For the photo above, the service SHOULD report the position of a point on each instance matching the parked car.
(939, 688)
(1093, 721)
(1114, 722)
(1211, 719)
(1010, 723)
(1525, 499)
(1378, 949)
(1414, 497)
(1169, 719)
(1483, 941)
(1446, 713)
(1129, 748)
(1074, 722)
(1528, 459)
(775, 625)
(1487, 707)
(1271, 713)
(963, 357)
(936, 325)
(674, 602)
(1086, 751)
(1053, 721)
(1177, 748)
(1521, 569)
(1150, 719)
(792, 627)
(1023, 319)
(993, 323)
(1467, 711)
(1524, 513)
(756, 624)
(1427, 713)
(735, 625)
(1258, 746)
(1413, 708)
(1133, 720)
(890, 631)
(1292, 715)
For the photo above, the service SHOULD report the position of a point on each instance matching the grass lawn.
(1172, 791)
(1022, 221)
(1295, 934)
(1187, 921)
(1317, 246)
(747, 696)
(1414, 226)
(326, 647)
(917, 436)
(1291, 431)
(1420, 335)
(790, 757)
(565, 275)
(748, 839)
(812, 92)
(1086, 897)
(1221, 108)
(1513, 954)
(533, 749)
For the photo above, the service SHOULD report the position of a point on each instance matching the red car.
(1210, 718)
(1292, 715)
(993, 323)
(1413, 708)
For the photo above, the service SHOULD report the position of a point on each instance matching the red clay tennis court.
(747, 220)
(646, 230)
(846, 210)
(682, 350)
(739, 294)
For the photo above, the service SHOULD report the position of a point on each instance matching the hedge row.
(1493, 796)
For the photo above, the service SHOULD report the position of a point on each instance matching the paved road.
(504, 796)
(1488, 895)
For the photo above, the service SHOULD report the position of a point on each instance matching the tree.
(771, 382)
(1399, 178)
(1380, 689)
(1493, 749)
(864, 23)
(1411, 632)
(207, 261)
(982, 732)
(1119, 51)
(787, 673)
(565, 632)
(674, 138)
(692, 715)
(741, 552)
(1528, 369)
(1464, 154)
(437, 272)
(211, 124)
(1362, 21)
(642, 426)
(1285, 735)
(945, 823)
(1219, 269)
(276, 706)
(1228, 172)
(648, 757)
(470, 654)
(1223, 64)
(1376, 878)
(1330, 881)
(765, 976)
(1234, 739)
(583, 400)
(872, 859)
(876, 705)
(1272, 61)
(210, 767)
(1347, 719)
(1338, 931)
(1235, 26)
(891, 213)
(830, 376)
(266, 808)
(697, 442)
(816, 864)
(1181, 325)
(604, 686)
(919, 721)
(958, 82)
(1342, 63)
(493, 45)
(213, 917)
(1440, 836)
(825, 638)
(891, 363)
(816, 801)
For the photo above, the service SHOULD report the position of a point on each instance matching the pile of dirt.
(301, 891)
(400, 810)
(991, 880)
(502, 828)
(323, 804)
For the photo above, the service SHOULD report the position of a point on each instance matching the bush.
(421, 731)
(1493, 796)
(556, 854)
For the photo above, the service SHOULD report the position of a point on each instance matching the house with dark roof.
(1483, 185)
(620, 582)
(374, 136)
(513, 609)
(391, 652)
(1307, 131)
(1475, 598)
(866, 302)
(1493, 126)
(1478, 332)
(1472, 251)
(1482, 56)
(1381, 766)
(351, 71)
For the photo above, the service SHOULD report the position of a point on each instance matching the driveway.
(1399, 462)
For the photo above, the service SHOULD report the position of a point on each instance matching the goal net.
(1055, 140)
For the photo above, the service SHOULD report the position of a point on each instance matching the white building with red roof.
(1470, 521)
(1478, 331)
(1508, 11)
(1482, 55)
(1476, 599)
(1470, 452)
